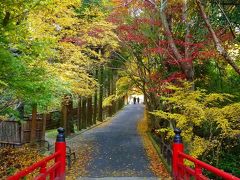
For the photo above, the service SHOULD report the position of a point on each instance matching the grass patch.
(51, 134)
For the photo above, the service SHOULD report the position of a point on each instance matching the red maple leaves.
(79, 41)
(74, 40)
(158, 85)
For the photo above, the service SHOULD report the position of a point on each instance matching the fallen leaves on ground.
(83, 151)
(156, 164)
(119, 173)
(15, 159)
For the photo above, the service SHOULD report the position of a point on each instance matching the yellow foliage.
(123, 84)
(109, 100)
(3, 118)
(74, 62)
(213, 113)
(234, 51)
(53, 19)
(199, 142)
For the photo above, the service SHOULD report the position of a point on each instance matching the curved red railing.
(55, 171)
(184, 172)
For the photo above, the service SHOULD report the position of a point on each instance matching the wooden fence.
(52, 119)
(14, 133)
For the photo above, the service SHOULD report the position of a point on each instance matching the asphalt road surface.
(119, 151)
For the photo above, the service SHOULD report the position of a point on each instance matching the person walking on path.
(134, 100)
(138, 100)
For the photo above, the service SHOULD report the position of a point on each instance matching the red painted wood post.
(60, 146)
(177, 147)
(198, 171)
(43, 169)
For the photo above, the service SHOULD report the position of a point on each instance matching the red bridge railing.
(183, 172)
(179, 169)
(55, 171)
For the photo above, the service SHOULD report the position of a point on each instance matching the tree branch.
(217, 42)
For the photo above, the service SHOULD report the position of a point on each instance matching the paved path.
(119, 150)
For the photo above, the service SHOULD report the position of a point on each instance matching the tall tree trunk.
(44, 125)
(109, 91)
(217, 42)
(64, 114)
(70, 124)
(187, 25)
(84, 116)
(66, 121)
(114, 90)
(95, 107)
(33, 123)
(79, 113)
(89, 111)
(187, 67)
(187, 39)
(100, 99)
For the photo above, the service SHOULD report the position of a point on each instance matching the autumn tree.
(163, 45)
(59, 47)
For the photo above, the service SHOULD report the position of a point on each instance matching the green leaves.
(46, 50)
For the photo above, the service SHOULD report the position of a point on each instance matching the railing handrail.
(181, 171)
(208, 167)
(45, 174)
(36, 165)
(57, 170)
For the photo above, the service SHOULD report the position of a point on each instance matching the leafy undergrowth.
(15, 159)
(155, 162)
(83, 157)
